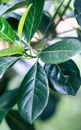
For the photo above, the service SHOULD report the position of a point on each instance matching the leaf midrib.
(34, 89)
(65, 79)
(58, 51)
(7, 37)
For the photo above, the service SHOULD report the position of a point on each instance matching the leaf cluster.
(59, 73)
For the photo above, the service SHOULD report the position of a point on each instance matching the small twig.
(54, 16)
(64, 11)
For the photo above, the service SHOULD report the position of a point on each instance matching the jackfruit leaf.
(64, 78)
(33, 93)
(12, 51)
(6, 31)
(33, 18)
(7, 101)
(22, 21)
(16, 122)
(61, 51)
(6, 63)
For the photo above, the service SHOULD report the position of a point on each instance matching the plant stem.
(30, 49)
(65, 9)
(54, 16)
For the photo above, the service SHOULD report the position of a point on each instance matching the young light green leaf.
(61, 51)
(33, 93)
(6, 32)
(6, 63)
(7, 101)
(11, 51)
(22, 20)
(33, 18)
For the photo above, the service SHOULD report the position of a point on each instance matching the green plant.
(60, 73)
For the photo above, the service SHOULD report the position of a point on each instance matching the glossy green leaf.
(6, 63)
(12, 5)
(16, 122)
(61, 51)
(22, 20)
(6, 32)
(64, 77)
(11, 51)
(7, 101)
(33, 94)
(33, 18)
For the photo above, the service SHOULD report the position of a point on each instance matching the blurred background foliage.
(62, 112)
